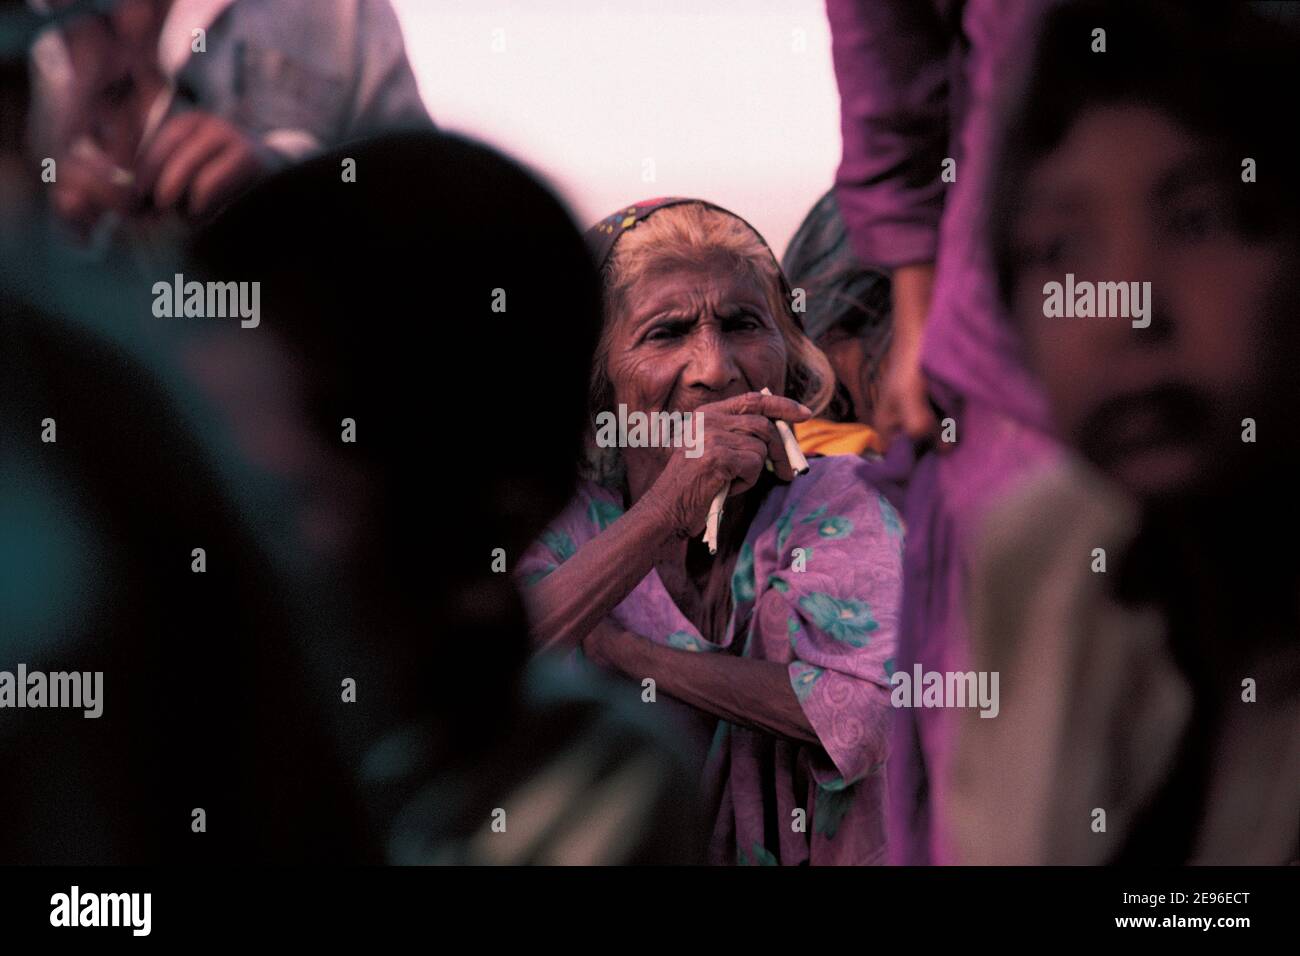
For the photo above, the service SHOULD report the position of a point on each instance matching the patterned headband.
(603, 236)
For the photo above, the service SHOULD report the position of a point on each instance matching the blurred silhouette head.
(205, 700)
(1199, 201)
(442, 302)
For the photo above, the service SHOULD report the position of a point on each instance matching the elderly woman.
(780, 645)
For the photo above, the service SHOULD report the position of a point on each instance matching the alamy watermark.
(1100, 300)
(923, 688)
(214, 300)
(637, 429)
(75, 908)
(82, 690)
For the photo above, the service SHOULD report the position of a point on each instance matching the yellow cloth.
(817, 436)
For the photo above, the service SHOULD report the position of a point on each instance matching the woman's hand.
(737, 437)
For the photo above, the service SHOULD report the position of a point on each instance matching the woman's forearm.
(745, 691)
(566, 604)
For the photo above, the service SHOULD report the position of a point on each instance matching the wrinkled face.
(1159, 408)
(691, 335)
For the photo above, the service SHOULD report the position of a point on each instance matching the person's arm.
(385, 95)
(838, 614)
(566, 604)
(904, 403)
(742, 690)
(737, 438)
(892, 63)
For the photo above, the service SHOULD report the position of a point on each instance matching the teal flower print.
(742, 579)
(836, 527)
(783, 526)
(559, 543)
(803, 677)
(603, 513)
(814, 515)
(538, 575)
(848, 621)
(762, 857)
(778, 583)
(830, 806)
(686, 641)
(893, 523)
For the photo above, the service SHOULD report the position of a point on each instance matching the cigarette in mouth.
(798, 463)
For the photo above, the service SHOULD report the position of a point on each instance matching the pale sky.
(730, 100)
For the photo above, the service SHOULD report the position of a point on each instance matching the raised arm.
(892, 64)
(738, 437)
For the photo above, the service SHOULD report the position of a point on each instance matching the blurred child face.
(1131, 196)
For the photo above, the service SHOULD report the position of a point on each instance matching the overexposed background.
(730, 100)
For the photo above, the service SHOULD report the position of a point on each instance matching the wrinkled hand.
(738, 438)
(196, 163)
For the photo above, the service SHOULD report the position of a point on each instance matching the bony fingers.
(778, 460)
(755, 425)
(783, 409)
(794, 455)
